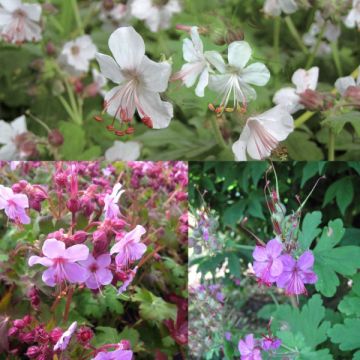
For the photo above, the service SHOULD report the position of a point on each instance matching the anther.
(98, 118)
(119, 133)
(110, 128)
(130, 130)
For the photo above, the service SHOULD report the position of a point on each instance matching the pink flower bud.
(13, 331)
(100, 241)
(32, 352)
(55, 335)
(84, 335)
(55, 138)
(312, 100)
(27, 337)
(352, 94)
(20, 324)
(125, 345)
(73, 205)
(80, 237)
(50, 48)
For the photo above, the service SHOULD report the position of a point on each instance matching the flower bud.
(32, 352)
(55, 335)
(80, 237)
(352, 94)
(312, 100)
(124, 345)
(55, 138)
(20, 324)
(27, 337)
(50, 48)
(73, 205)
(100, 241)
(84, 335)
(13, 331)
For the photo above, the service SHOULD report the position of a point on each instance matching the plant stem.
(316, 48)
(331, 145)
(77, 16)
(68, 303)
(277, 28)
(336, 57)
(303, 118)
(295, 34)
(216, 129)
(38, 121)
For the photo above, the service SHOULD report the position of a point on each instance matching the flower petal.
(260, 253)
(203, 83)
(305, 79)
(135, 234)
(104, 260)
(239, 54)
(256, 74)
(125, 151)
(109, 68)
(40, 260)
(343, 83)
(155, 76)
(77, 252)
(274, 248)
(53, 248)
(10, 5)
(8, 152)
(6, 132)
(75, 273)
(239, 147)
(288, 98)
(127, 47)
(33, 11)
(19, 125)
(216, 60)
(306, 260)
(48, 277)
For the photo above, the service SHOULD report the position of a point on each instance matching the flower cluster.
(251, 348)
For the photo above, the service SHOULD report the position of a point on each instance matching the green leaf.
(153, 307)
(130, 334)
(301, 148)
(234, 265)
(346, 335)
(308, 322)
(338, 122)
(309, 229)
(310, 169)
(234, 213)
(74, 140)
(350, 304)
(343, 191)
(329, 260)
(111, 300)
(106, 335)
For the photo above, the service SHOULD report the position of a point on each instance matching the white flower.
(303, 80)
(125, 151)
(343, 83)
(140, 80)
(78, 53)
(234, 79)
(198, 63)
(117, 13)
(9, 138)
(157, 14)
(65, 338)
(276, 7)
(353, 18)
(19, 22)
(262, 134)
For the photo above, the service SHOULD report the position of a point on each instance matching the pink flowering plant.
(283, 284)
(179, 79)
(93, 256)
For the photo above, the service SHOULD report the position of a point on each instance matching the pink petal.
(76, 253)
(136, 251)
(260, 253)
(295, 285)
(104, 276)
(283, 279)
(48, 277)
(309, 277)
(40, 260)
(288, 262)
(274, 248)
(276, 268)
(20, 200)
(135, 234)
(75, 273)
(53, 248)
(306, 260)
(103, 260)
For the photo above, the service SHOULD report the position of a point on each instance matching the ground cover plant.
(274, 260)
(179, 79)
(93, 260)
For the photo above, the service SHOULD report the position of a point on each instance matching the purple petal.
(274, 248)
(48, 277)
(309, 277)
(77, 252)
(122, 355)
(260, 268)
(75, 273)
(260, 253)
(116, 248)
(276, 268)
(92, 283)
(103, 260)
(249, 339)
(104, 276)
(283, 279)
(21, 200)
(295, 285)
(88, 262)
(288, 262)
(40, 260)
(136, 251)
(306, 260)
(53, 248)
(135, 234)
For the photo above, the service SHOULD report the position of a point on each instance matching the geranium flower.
(125, 151)
(114, 355)
(111, 208)
(65, 338)
(248, 349)
(140, 80)
(235, 77)
(14, 205)
(98, 269)
(129, 248)
(198, 63)
(19, 22)
(268, 265)
(353, 18)
(10, 136)
(344, 83)
(303, 80)
(61, 262)
(270, 343)
(157, 15)
(78, 53)
(297, 273)
(262, 134)
(276, 7)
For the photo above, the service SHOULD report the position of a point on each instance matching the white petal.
(239, 54)
(109, 68)
(141, 8)
(190, 72)
(127, 47)
(19, 125)
(272, 8)
(203, 83)
(247, 91)
(189, 52)
(6, 132)
(195, 37)
(5, 17)
(288, 6)
(288, 98)
(351, 19)
(159, 111)
(33, 11)
(129, 151)
(216, 60)
(305, 79)
(8, 152)
(219, 83)
(10, 5)
(239, 147)
(256, 74)
(343, 83)
(155, 76)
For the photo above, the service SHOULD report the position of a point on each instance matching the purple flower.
(65, 338)
(128, 280)
(61, 262)
(111, 208)
(268, 265)
(129, 247)
(248, 349)
(228, 335)
(296, 273)
(270, 343)
(14, 205)
(114, 355)
(98, 269)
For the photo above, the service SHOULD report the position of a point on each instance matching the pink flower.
(98, 269)
(65, 338)
(61, 262)
(248, 349)
(129, 248)
(268, 265)
(111, 208)
(296, 273)
(14, 205)
(270, 343)
(115, 355)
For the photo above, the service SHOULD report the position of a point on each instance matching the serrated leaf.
(346, 335)
(343, 191)
(338, 122)
(309, 229)
(234, 265)
(106, 335)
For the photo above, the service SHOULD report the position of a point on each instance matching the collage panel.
(93, 260)
(274, 259)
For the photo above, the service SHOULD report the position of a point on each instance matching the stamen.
(98, 118)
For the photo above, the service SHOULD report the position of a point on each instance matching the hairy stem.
(295, 34)
(331, 145)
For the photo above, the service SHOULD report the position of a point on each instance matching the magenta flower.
(115, 355)
(61, 262)
(129, 248)
(14, 205)
(297, 273)
(268, 265)
(65, 338)
(98, 270)
(111, 208)
(270, 343)
(248, 349)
